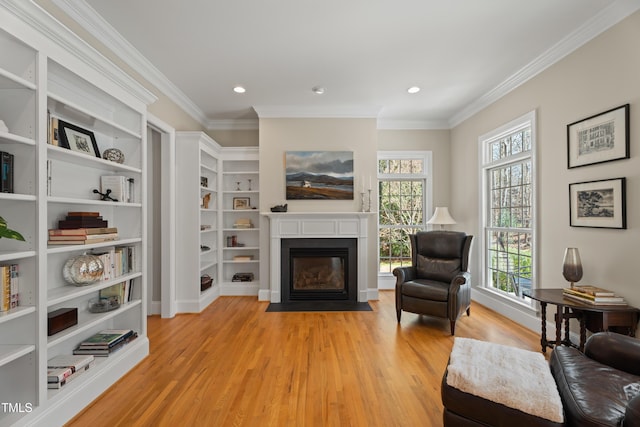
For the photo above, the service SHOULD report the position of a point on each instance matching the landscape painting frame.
(601, 138)
(598, 204)
(319, 175)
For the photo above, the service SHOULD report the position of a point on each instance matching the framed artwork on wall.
(77, 139)
(598, 204)
(598, 139)
(320, 175)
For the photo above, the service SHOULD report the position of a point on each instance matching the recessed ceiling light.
(318, 90)
(413, 89)
(239, 89)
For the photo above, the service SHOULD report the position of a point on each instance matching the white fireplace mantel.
(309, 225)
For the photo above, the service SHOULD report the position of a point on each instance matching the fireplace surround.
(322, 226)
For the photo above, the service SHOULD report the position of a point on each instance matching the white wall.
(601, 75)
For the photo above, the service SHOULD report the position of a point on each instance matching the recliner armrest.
(460, 279)
(632, 413)
(618, 351)
(404, 274)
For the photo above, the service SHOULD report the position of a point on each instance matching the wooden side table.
(595, 318)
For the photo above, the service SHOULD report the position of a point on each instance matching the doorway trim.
(168, 307)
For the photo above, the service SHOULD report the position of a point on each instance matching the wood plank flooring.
(236, 365)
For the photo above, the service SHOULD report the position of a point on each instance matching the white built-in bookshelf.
(40, 79)
(240, 200)
(197, 163)
(229, 175)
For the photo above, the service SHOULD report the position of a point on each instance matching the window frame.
(387, 280)
(485, 168)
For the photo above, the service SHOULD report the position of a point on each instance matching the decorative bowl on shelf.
(103, 304)
(82, 270)
(113, 155)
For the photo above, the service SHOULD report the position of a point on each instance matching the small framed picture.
(241, 203)
(77, 139)
(598, 139)
(598, 204)
(204, 182)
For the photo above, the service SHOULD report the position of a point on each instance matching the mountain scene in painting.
(319, 175)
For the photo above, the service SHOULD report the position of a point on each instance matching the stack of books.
(82, 236)
(82, 220)
(82, 228)
(105, 342)
(243, 223)
(593, 295)
(64, 368)
(9, 291)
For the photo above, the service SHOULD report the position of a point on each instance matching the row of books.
(105, 342)
(10, 290)
(64, 368)
(6, 172)
(117, 260)
(593, 295)
(122, 290)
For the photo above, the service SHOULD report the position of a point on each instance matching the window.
(404, 197)
(508, 180)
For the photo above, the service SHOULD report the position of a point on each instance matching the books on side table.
(593, 295)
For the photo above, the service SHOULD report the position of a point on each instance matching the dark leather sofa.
(592, 384)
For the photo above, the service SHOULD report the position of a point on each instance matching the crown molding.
(90, 20)
(335, 111)
(386, 124)
(607, 18)
(232, 124)
(48, 26)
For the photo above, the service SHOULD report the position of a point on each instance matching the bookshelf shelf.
(9, 353)
(9, 138)
(72, 248)
(87, 321)
(16, 313)
(65, 293)
(68, 156)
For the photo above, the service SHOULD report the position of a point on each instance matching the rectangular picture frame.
(598, 204)
(241, 203)
(598, 139)
(77, 139)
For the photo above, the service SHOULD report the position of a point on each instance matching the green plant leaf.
(6, 232)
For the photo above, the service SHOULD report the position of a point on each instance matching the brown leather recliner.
(438, 281)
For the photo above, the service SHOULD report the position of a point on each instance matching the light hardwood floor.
(236, 365)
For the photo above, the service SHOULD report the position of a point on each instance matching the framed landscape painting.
(598, 139)
(599, 204)
(321, 175)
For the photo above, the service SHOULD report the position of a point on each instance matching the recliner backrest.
(440, 255)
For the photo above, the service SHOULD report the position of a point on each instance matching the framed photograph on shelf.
(77, 139)
(204, 182)
(598, 139)
(241, 203)
(598, 204)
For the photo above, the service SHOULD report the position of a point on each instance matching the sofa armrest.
(618, 351)
(404, 274)
(460, 279)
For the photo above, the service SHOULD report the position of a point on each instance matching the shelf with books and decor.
(198, 210)
(72, 126)
(240, 222)
(19, 88)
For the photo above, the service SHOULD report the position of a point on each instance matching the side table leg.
(559, 319)
(567, 317)
(543, 337)
(583, 331)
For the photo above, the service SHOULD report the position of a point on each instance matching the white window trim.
(485, 164)
(387, 280)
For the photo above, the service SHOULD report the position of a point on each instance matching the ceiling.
(364, 53)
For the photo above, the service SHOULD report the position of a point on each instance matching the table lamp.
(441, 216)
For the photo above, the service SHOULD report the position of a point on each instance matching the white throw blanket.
(513, 377)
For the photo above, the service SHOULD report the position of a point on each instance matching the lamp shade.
(441, 216)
